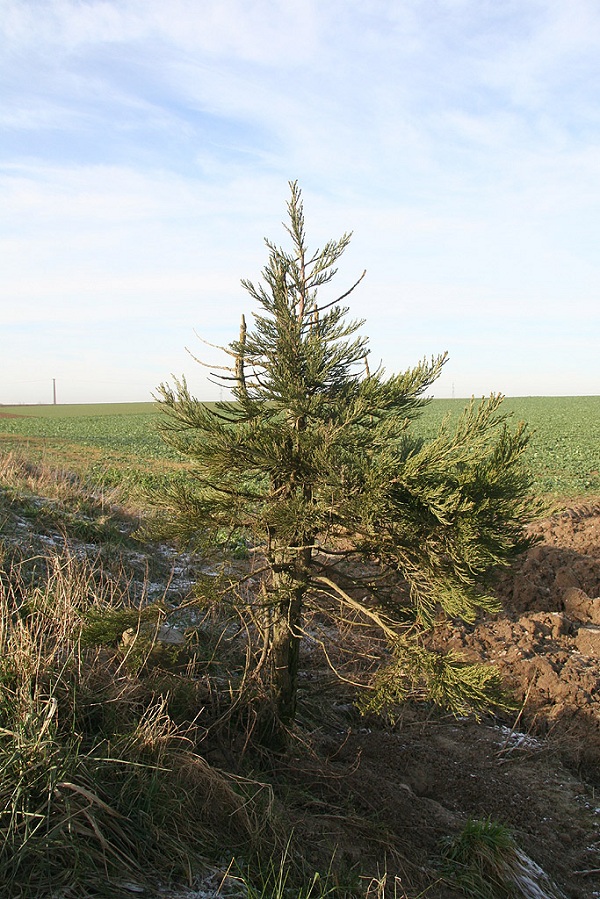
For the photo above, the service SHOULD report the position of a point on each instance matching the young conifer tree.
(318, 463)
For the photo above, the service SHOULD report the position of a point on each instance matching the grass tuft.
(484, 862)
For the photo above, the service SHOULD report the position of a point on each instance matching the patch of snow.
(515, 739)
(215, 885)
(533, 881)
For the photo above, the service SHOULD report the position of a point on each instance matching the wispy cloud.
(145, 149)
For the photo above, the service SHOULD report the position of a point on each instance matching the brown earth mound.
(537, 771)
(547, 643)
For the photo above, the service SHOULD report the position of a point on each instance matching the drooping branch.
(325, 306)
(344, 295)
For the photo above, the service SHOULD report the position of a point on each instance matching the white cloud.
(265, 31)
(147, 145)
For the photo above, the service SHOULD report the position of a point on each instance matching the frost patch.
(515, 739)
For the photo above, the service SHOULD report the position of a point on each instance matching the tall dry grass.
(98, 782)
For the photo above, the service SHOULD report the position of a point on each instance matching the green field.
(113, 442)
(564, 453)
(130, 427)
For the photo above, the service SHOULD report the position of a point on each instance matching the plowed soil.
(538, 770)
(547, 643)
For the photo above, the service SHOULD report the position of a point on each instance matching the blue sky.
(146, 146)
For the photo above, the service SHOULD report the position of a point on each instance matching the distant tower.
(54, 390)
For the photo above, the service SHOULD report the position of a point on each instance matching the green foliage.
(275, 881)
(484, 862)
(104, 626)
(565, 432)
(445, 680)
(320, 467)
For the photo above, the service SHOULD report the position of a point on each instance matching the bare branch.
(215, 346)
(208, 364)
(354, 604)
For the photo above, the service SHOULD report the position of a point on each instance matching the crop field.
(116, 443)
(564, 452)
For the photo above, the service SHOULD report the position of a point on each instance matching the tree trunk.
(285, 619)
(285, 654)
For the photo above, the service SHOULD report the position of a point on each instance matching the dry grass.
(97, 780)
(135, 761)
(21, 477)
